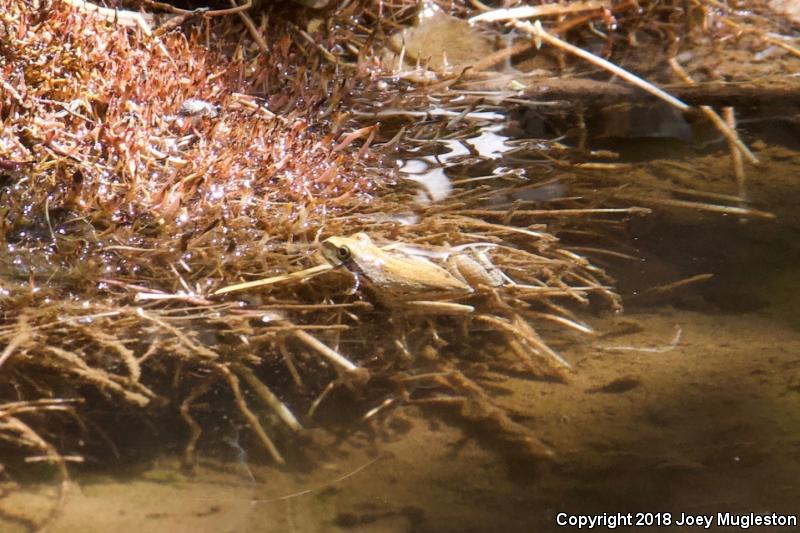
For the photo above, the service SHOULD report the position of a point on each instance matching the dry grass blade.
(298, 275)
(547, 10)
(554, 213)
(699, 278)
(329, 353)
(20, 337)
(521, 331)
(700, 206)
(184, 339)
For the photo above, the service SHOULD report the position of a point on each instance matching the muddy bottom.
(708, 426)
(703, 425)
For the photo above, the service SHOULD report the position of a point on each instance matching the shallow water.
(685, 403)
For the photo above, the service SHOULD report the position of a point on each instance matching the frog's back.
(402, 279)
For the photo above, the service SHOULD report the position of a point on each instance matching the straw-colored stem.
(729, 115)
(555, 213)
(699, 206)
(539, 34)
(248, 22)
(262, 391)
(699, 278)
(708, 111)
(332, 355)
(251, 418)
(300, 274)
(21, 336)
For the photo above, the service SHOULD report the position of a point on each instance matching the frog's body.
(394, 277)
(413, 284)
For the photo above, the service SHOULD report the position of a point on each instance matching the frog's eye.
(343, 253)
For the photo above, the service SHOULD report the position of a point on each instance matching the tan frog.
(394, 277)
(413, 284)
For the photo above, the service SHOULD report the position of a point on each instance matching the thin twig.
(539, 34)
(546, 10)
(300, 274)
(248, 22)
(699, 278)
(699, 206)
(555, 213)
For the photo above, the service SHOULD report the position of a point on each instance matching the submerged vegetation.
(149, 166)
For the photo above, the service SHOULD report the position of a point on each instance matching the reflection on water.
(428, 173)
(430, 170)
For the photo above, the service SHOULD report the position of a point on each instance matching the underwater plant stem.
(700, 206)
(195, 430)
(31, 438)
(729, 114)
(251, 418)
(331, 354)
(262, 391)
(724, 129)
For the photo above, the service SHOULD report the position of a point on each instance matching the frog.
(395, 278)
(413, 284)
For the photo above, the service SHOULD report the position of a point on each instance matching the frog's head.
(337, 250)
